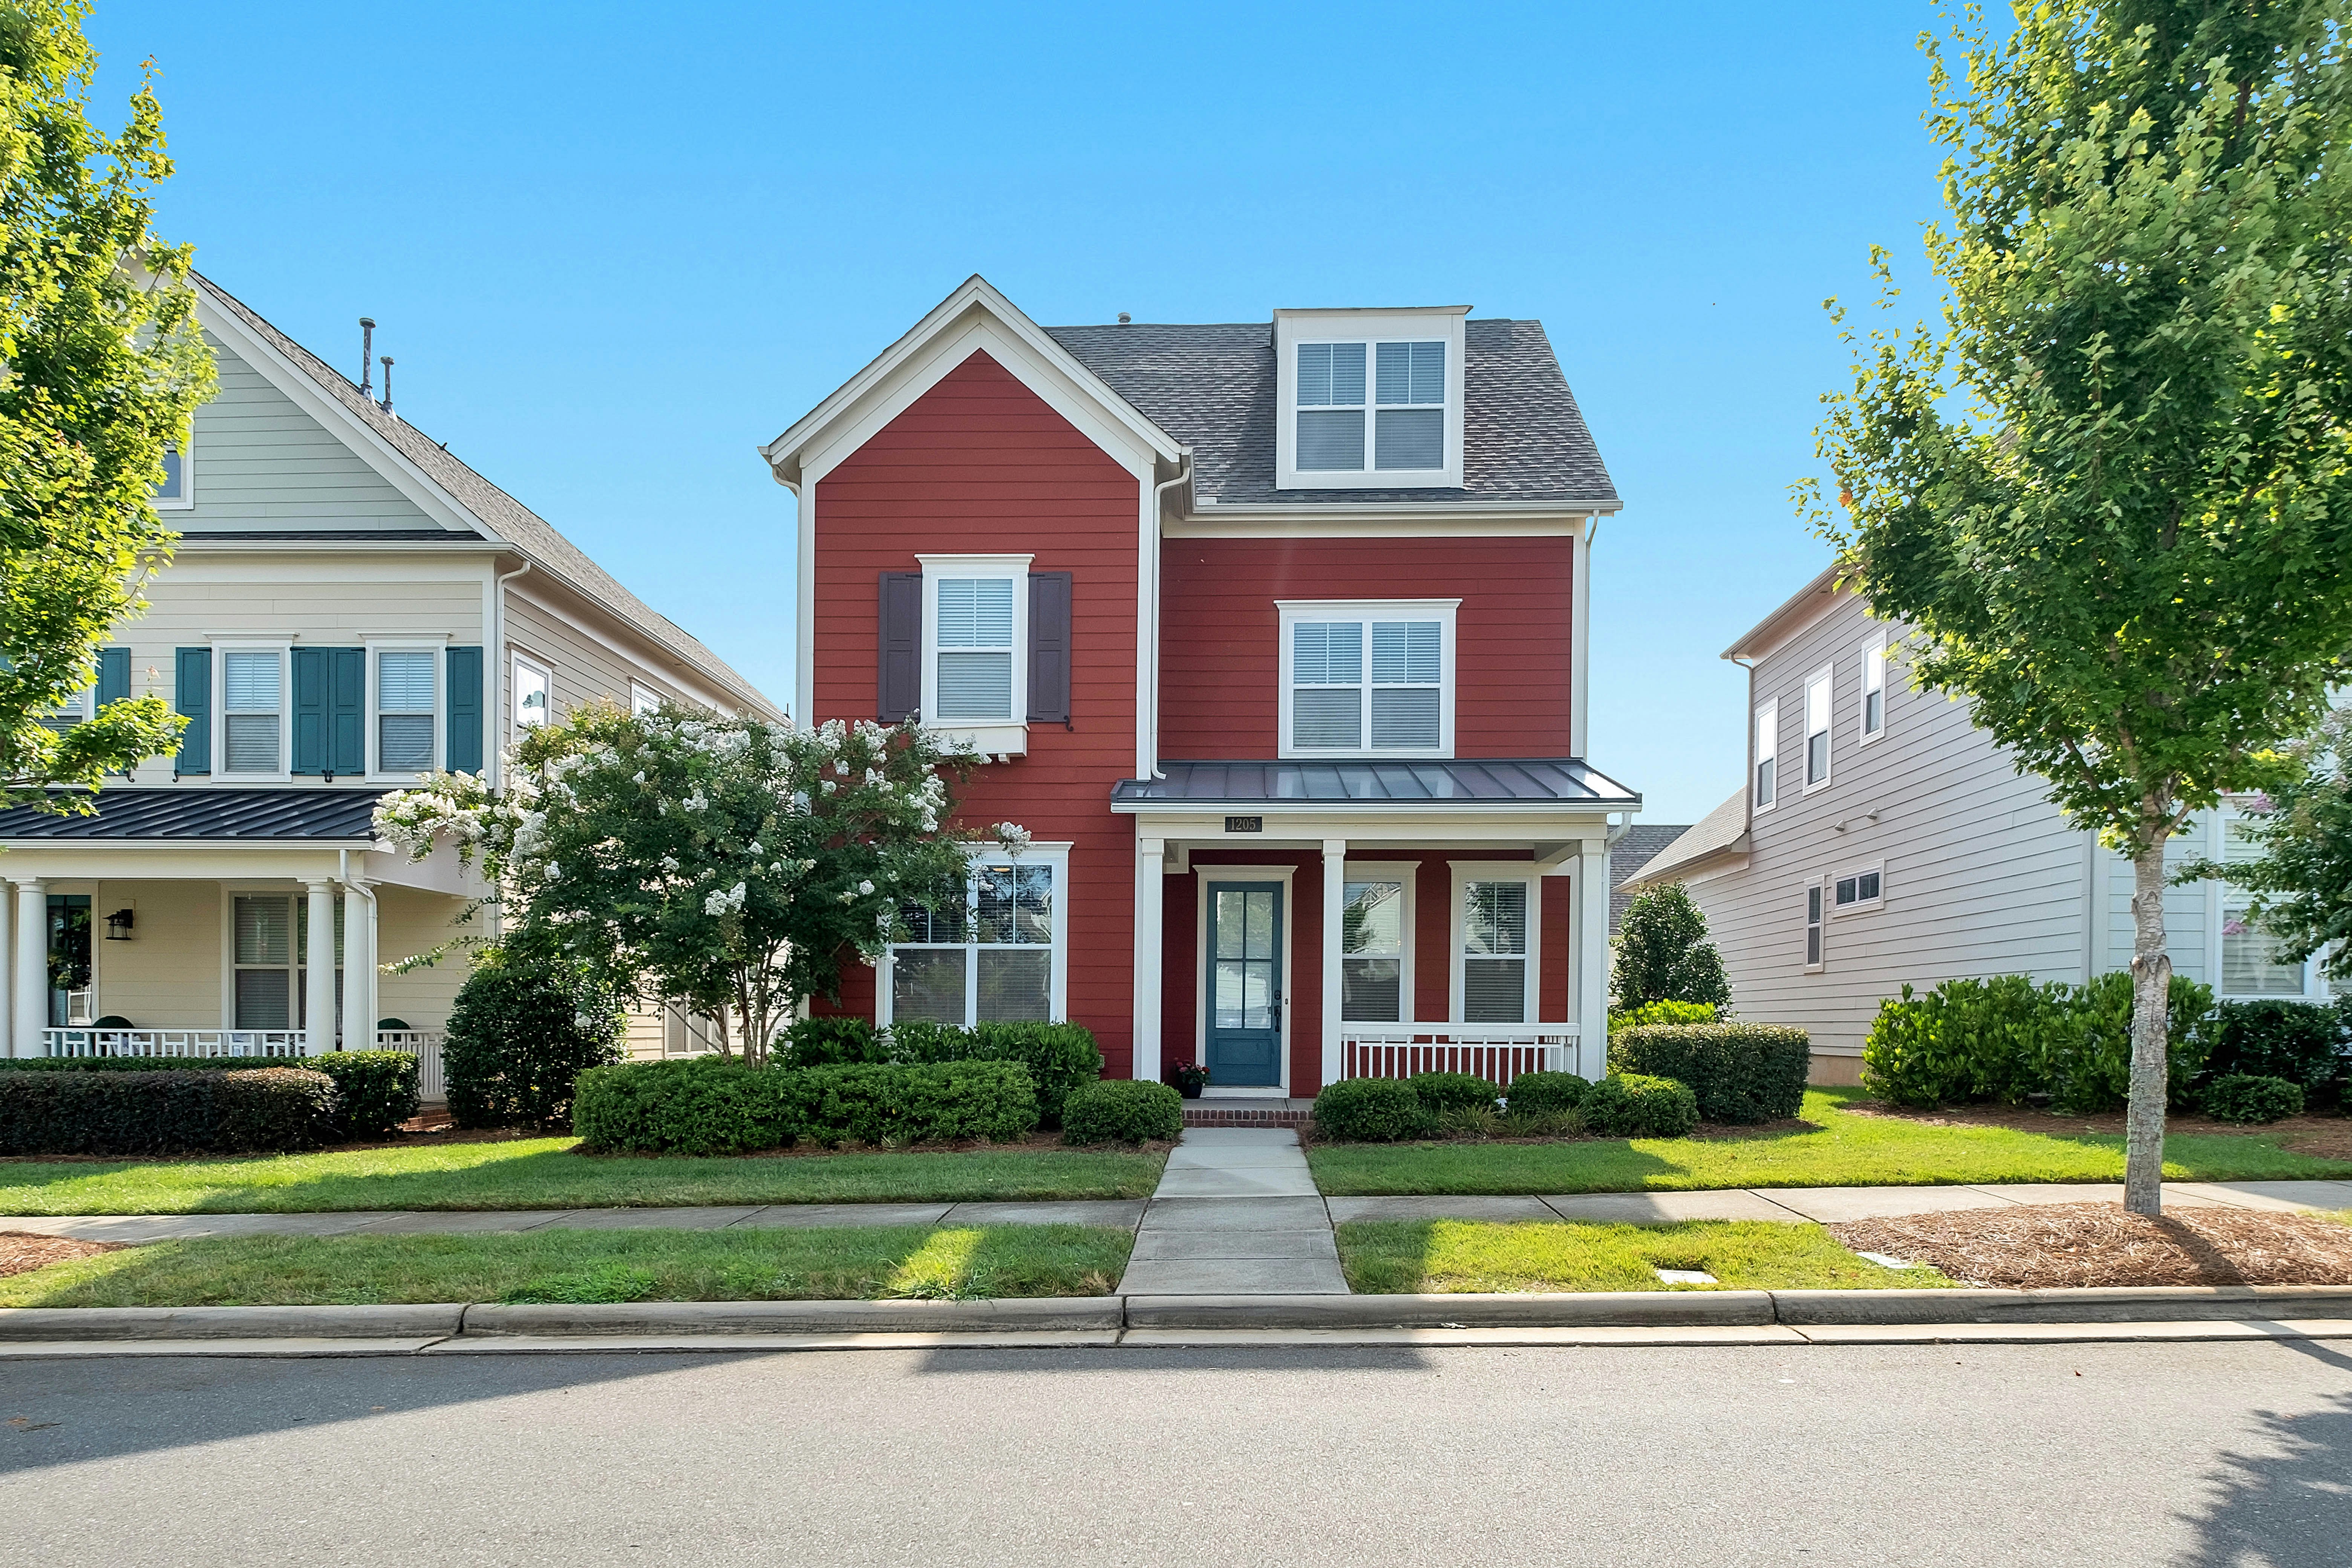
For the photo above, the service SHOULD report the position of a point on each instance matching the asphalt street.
(1911, 1456)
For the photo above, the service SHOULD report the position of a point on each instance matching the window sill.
(990, 740)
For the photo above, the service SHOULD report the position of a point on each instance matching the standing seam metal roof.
(1496, 781)
(202, 812)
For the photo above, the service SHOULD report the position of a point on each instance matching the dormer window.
(1370, 399)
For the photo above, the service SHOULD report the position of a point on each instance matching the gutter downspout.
(1151, 574)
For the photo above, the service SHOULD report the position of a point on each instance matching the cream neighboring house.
(350, 607)
(1882, 839)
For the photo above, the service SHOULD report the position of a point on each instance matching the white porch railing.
(1496, 1052)
(425, 1045)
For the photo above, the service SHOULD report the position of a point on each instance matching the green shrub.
(1121, 1110)
(1663, 954)
(833, 1039)
(1060, 1057)
(275, 1109)
(2304, 1044)
(524, 1027)
(711, 1105)
(1442, 1092)
(1665, 1013)
(1634, 1105)
(1741, 1072)
(149, 1064)
(1369, 1110)
(1545, 1093)
(2251, 1098)
(2007, 1039)
(378, 1089)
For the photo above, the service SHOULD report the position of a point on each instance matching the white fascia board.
(1799, 610)
(1050, 371)
(200, 543)
(403, 476)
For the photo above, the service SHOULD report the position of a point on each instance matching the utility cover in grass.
(1391, 1257)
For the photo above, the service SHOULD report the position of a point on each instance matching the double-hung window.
(73, 710)
(1331, 407)
(253, 712)
(2251, 964)
(1372, 952)
(1817, 730)
(271, 939)
(1368, 679)
(1494, 946)
(1370, 400)
(643, 699)
(1874, 691)
(1812, 925)
(998, 957)
(176, 493)
(975, 677)
(1767, 748)
(405, 709)
(532, 686)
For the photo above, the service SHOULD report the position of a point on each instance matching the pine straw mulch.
(2324, 1137)
(22, 1251)
(2044, 1247)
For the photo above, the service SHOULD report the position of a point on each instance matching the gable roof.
(1214, 388)
(1719, 836)
(1628, 853)
(503, 518)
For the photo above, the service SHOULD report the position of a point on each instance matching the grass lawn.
(544, 1173)
(858, 1264)
(1840, 1150)
(1392, 1257)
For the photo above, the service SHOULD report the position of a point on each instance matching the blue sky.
(613, 247)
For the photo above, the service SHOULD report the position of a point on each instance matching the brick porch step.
(1208, 1112)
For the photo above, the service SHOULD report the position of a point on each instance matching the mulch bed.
(2043, 1246)
(2321, 1137)
(21, 1251)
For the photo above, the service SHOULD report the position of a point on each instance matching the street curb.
(483, 1324)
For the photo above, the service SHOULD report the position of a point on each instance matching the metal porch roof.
(199, 812)
(1486, 781)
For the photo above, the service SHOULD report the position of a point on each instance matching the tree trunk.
(2150, 1029)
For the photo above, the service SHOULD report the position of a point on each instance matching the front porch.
(1298, 924)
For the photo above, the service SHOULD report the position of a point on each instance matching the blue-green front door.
(1244, 984)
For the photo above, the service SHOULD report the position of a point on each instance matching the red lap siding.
(1219, 662)
(980, 464)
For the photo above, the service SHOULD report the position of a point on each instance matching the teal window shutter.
(347, 711)
(193, 696)
(113, 675)
(310, 710)
(464, 748)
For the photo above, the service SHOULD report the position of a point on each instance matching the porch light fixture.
(117, 926)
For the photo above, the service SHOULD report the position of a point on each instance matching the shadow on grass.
(2288, 1505)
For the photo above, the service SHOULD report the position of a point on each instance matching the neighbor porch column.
(1150, 896)
(359, 966)
(30, 986)
(1590, 930)
(1335, 894)
(7, 1014)
(319, 979)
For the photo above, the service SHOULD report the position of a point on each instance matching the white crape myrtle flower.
(725, 903)
(828, 786)
(755, 847)
(669, 864)
(865, 888)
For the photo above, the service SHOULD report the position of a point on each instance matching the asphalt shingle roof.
(202, 812)
(1540, 781)
(1634, 848)
(1213, 388)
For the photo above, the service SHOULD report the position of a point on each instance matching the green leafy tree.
(1663, 954)
(2301, 831)
(104, 365)
(2110, 494)
(727, 863)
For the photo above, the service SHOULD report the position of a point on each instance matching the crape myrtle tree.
(2301, 832)
(729, 863)
(2110, 493)
(1662, 953)
(103, 364)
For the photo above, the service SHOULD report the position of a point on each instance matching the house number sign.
(1245, 824)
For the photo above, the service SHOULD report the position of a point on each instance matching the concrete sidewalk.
(1237, 1214)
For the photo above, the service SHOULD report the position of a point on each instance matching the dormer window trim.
(1362, 340)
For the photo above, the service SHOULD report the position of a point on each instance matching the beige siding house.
(1881, 839)
(350, 606)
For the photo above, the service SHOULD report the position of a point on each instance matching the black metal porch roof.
(201, 812)
(1485, 781)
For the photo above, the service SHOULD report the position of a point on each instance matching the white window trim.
(1209, 879)
(1825, 676)
(1768, 723)
(1443, 611)
(1457, 927)
(1058, 856)
(643, 698)
(186, 500)
(222, 648)
(517, 661)
(1409, 873)
(376, 773)
(1371, 328)
(249, 888)
(1010, 737)
(2217, 910)
(1821, 889)
(1859, 906)
(1868, 736)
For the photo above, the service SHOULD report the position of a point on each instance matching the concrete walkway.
(1831, 1205)
(1237, 1214)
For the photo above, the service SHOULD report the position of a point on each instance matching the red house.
(1275, 632)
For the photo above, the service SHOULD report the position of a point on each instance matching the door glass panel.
(1259, 915)
(1229, 922)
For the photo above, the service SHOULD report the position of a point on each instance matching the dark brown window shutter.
(1049, 647)
(899, 670)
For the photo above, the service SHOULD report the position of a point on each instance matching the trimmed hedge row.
(2308, 1046)
(1121, 1110)
(377, 1090)
(1739, 1072)
(1636, 1105)
(2249, 1097)
(1061, 1058)
(713, 1105)
(187, 1110)
(2007, 1039)
(1369, 1110)
(1546, 1093)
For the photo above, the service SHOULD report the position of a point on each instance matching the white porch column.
(319, 979)
(1334, 896)
(1590, 960)
(359, 966)
(7, 1014)
(30, 987)
(1150, 897)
